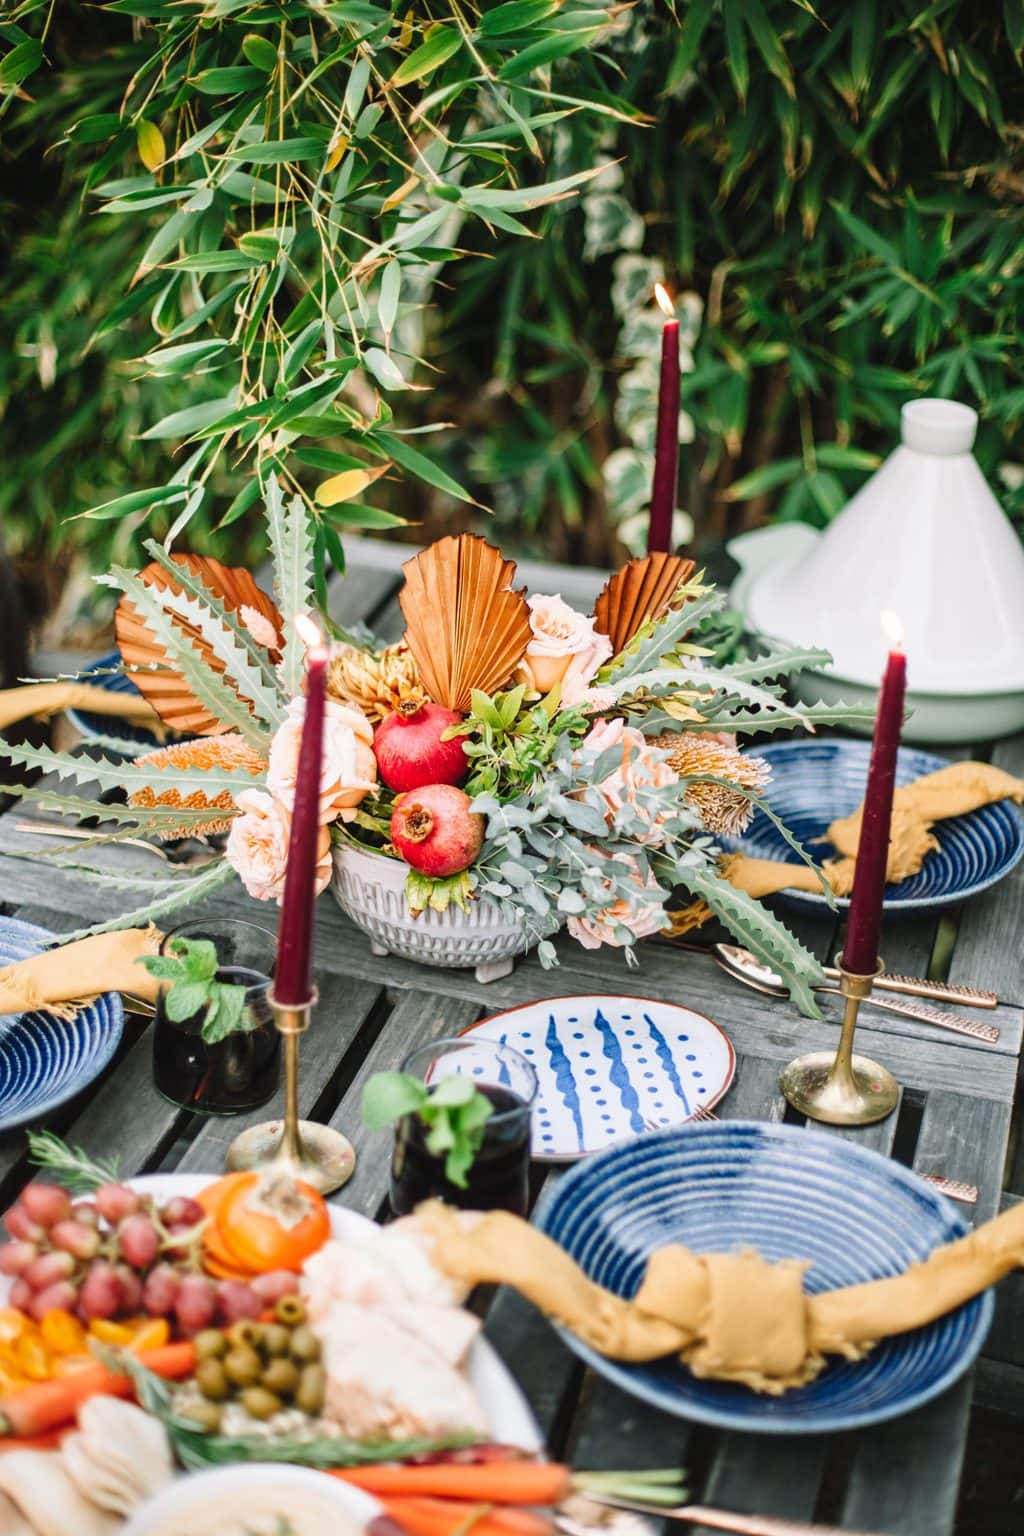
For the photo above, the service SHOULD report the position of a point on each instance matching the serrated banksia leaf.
(155, 674)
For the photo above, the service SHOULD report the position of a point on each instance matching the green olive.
(290, 1311)
(245, 1333)
(260, 1403)
(281, 1376)
(210, 1344)
(205, 1414)
(309, 1394)
(212, 1381)
(305, 1346)
(242, 1366)
(276, 1338)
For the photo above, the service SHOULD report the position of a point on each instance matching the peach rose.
(641, 917)
(638, 768)
(257, 846)
(565, 649)
(349, 766)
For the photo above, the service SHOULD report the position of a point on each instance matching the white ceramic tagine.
(926, 539)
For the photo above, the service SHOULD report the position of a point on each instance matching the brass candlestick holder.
(843, 1089)
(314, 1153)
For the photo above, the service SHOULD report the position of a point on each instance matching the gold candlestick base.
(314, 1153)
(843, 1089)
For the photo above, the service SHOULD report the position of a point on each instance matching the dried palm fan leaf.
(230, 751)
(159, 680)
(465, 626)
(641, 591)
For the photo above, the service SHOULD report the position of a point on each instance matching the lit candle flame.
(893, 627)
(307, 631)
(664, 300)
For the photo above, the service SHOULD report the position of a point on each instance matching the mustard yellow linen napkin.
(729, 1317)
(61, 979)
(50, 698)
(951, 791)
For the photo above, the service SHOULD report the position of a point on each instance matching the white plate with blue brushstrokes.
(609, 1068)
(44, 1061)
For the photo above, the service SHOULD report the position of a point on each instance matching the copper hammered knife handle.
(938, 991)
(975, 1028)
(755, 1525)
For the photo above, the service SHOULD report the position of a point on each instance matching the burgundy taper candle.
(293, 976)
(666, 443)
(864, 923)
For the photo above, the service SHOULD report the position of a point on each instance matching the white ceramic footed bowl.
(370, 889)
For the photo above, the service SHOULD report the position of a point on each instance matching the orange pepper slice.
(33, 1358)
(110, 1333)
(12, 1324)
(62, 1333)
(153, 1333)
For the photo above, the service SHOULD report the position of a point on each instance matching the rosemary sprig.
(70, 1166)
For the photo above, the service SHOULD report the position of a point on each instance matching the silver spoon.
(754, 973)
(916, 986)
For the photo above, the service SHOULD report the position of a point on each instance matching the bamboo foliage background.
(270, 234)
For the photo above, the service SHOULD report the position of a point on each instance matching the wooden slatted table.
(955, 1117)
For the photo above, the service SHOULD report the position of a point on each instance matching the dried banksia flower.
(230, 751)
(377, 684)
(724, 811)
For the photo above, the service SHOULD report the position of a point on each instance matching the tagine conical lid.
(924, 538)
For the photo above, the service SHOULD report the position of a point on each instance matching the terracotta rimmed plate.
(610, 1067)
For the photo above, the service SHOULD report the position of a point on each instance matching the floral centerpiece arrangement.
(510, 763)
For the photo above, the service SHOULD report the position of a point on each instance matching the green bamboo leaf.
(768, 43)
(260, 52)
(694, 24)
(768, 478)
(869, 238)
(440, 46)
(559, 45)
(136, 501)
(278, 151)
(95, 128)
(418, 464)
(23, 59)
(227, 81)
(216, 261)
(191, 419)
(245, 499)
(387, 302)
(516, 16)
(736, 48)
(353, 514)
(184, 357)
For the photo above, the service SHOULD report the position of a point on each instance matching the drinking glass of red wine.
(238, 1072)
(498, 1176)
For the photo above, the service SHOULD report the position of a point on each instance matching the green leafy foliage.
(190, 966)
(453, 1111)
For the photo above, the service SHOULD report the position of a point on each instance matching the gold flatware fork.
(953, 1189)
(715, 1519)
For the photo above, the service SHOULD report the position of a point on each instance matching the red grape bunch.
(118, 1254)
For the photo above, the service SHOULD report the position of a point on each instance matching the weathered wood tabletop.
(955, 1117)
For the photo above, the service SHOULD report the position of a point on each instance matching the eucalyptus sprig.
(510, 746)
(453, 1111)
(191, 969)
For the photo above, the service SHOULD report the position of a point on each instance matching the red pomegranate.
(435, 831)
(409, 751)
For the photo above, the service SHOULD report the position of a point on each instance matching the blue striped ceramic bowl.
(45, 1061)
(105, 672)
(816, 782)
(787, 1193)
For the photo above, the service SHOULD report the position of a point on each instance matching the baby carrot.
(459, 1517)
(43, 1405)
(509, 1482)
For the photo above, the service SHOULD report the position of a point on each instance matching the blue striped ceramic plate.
(610, 1067)
(788, 1193)
(816, 782)
(45, 1061)
(105, 672)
